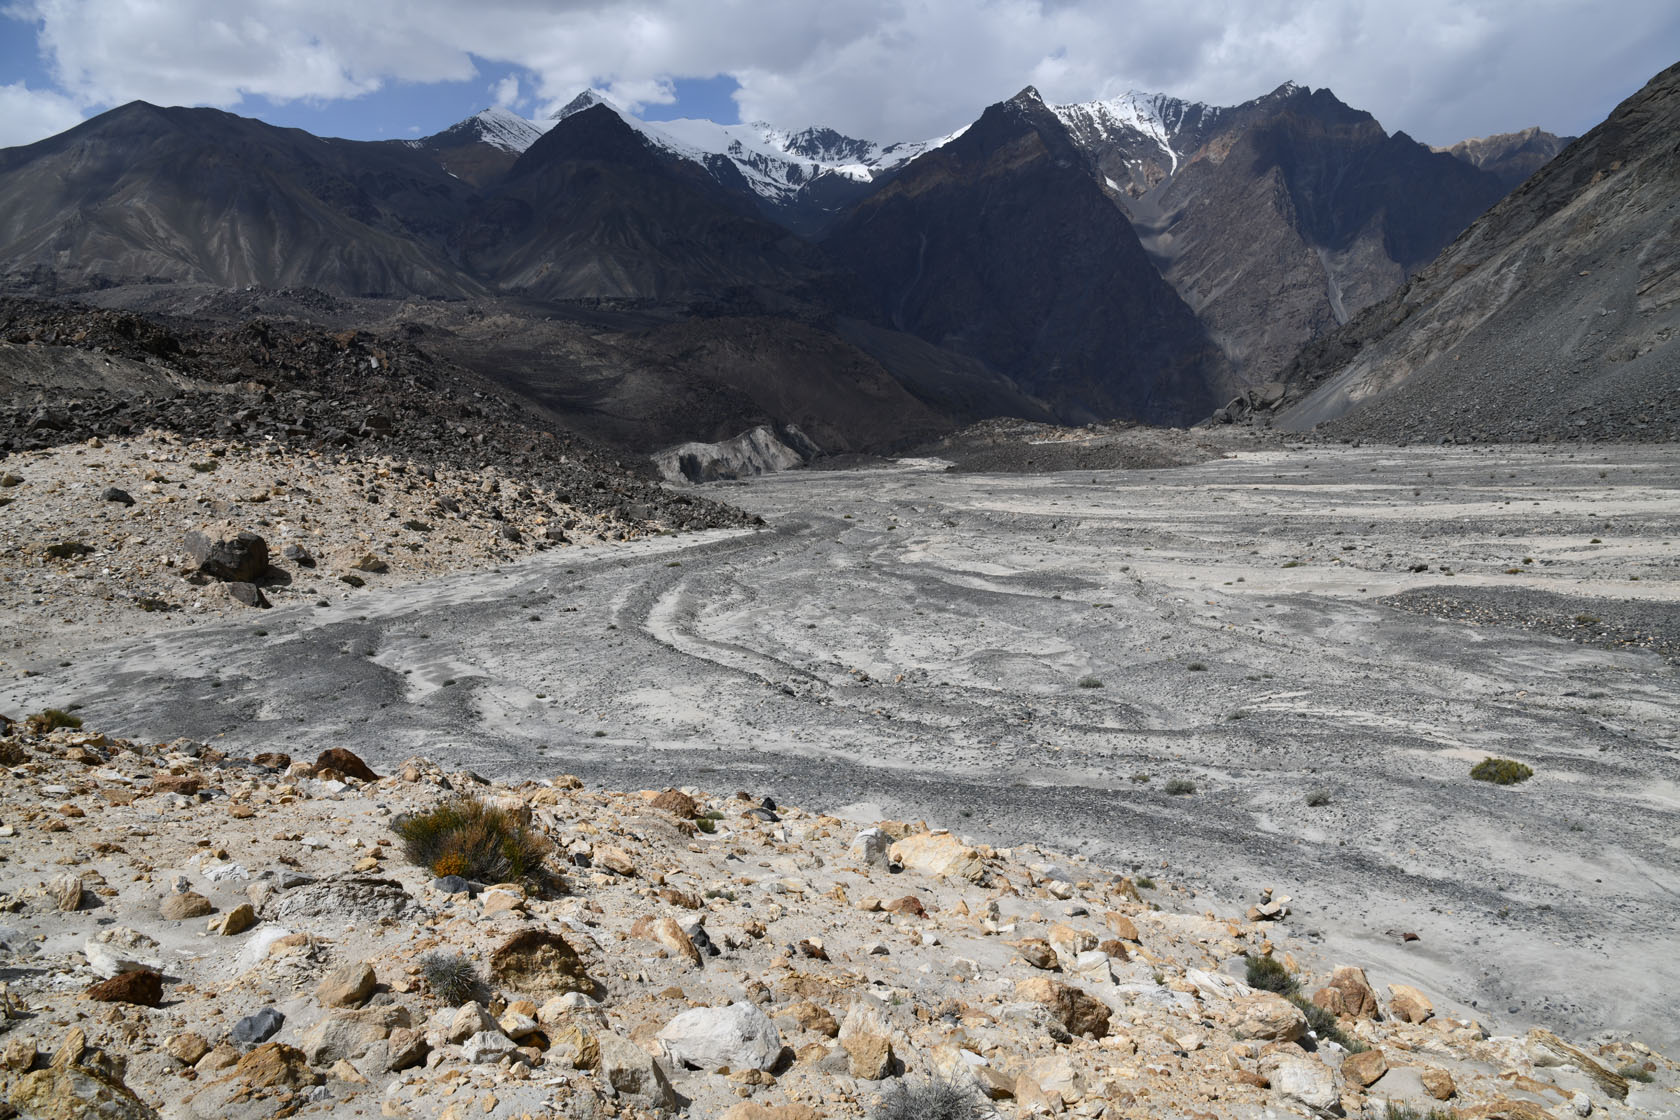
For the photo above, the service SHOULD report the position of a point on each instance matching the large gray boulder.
(739, 1036)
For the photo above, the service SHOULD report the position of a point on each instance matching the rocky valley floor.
(1272, 670)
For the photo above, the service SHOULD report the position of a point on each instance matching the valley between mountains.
(1043, 656)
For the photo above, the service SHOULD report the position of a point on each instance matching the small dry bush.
(933, 1098)
(450, 977)
(1501, 771)
(466, 837)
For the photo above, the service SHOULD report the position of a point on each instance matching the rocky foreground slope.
(189, 934)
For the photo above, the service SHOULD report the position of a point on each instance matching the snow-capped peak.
(1154, 115)
(507, 130)
(775, 162)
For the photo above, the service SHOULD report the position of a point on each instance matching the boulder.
(677, 803)
(633, 1072)
(66, 892)
(142, 987)
(1121, 926)
(246, 594)
(665, 931)
(187, 1047)
(1437, 1082)
(1348, 993)
(1037, 952)
(1302, 1079)
(739, 1036)
(1363, 1068)
(810, 1017)
(1075, 1009)
(347, 985)
(869, 1056)
(259, 1027)
(73, 1092)
(242, 558)
(347, 763)
(1550, 1050)
(870, 847)
(469, 1019)
(487, 1046)
(235, 921)
(180, 905)
(1069, 942)
(1408, 1004)
(539, 961)
(349, 1034)
(1266, 1015)
(274, 1065)
(939, 854)
(107, 962)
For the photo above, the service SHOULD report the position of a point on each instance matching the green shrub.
(450, 977)
(1501, 771)
(466, 837)
(1317, 798)
(1267, 974)
(1196, 667)
(1397, 1111)
(1325, 1025)
(52, 719)
(1145, 883)
(1633, 1071)
(1089, 682)
(1180, 786)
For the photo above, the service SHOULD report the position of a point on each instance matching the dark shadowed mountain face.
(1512, 156)
(202, 196)
(1277, 219)
(1002, 245)
(592, 210)
(1555, 315)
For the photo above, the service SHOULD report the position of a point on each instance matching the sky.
(1441, 70)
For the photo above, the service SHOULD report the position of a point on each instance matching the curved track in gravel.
(916, 639)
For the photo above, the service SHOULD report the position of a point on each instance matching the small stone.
(810, 1017)
(235, 921)
(347, 985)
(114, 494)
(239, 559)
(180, 905)
(1357, 1000)
(142, 987)
(870, 847)
(368, 562)
(344, 1071)
(276, 1065)
(1037, 952)
(503, 896)
(187, 1048)
(869, 1056)
(1304, 1079)
(469, 1019)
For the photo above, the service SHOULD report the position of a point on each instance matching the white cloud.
(506, 91)
(28, 115)
(889, 69)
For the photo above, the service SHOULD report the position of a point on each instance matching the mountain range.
(1142, 257)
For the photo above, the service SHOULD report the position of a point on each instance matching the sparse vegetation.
(1267, 974)
(1398, 1111)
(1318, 798)
(1501, 771)
(934, 1097)
(52, 719)
(1196, 667)
(204, 467)
(1180, 786)
(1089, 682)
(1633, 1071)
(466, 837)
(450, 977)
(1325, 1025)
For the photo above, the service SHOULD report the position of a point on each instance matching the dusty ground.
(916, 639)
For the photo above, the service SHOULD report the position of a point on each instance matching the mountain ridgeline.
(1143, 258)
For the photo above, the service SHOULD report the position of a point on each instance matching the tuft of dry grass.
(466, 837)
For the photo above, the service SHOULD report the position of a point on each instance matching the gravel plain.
(1037, 657)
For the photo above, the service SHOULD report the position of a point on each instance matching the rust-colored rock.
(1357, 1000)
(1437, 1082)
(346, 763)
(1121, 926)
(141, 986)
(1408, 1004)
(1077, 1010)
(677, 803)
(276, 1065)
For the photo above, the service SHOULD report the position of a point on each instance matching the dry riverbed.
(1035, 659)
